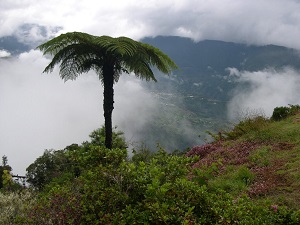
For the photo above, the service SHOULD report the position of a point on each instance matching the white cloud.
(40, 111)
(252, 22)
(134, 107)
(4, 53)
(262, 91)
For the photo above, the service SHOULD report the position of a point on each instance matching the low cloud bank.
(39, 111)
(134, 107)
(262, 91)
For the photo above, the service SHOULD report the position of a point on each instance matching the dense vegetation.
(248, 175)
(4, 168)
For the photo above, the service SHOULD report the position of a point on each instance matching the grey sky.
(253, 22)
(41, 111)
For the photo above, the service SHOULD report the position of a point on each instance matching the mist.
(41, 111)
(262, 91)
(251, 22)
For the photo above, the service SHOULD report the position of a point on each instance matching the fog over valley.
(234, 58)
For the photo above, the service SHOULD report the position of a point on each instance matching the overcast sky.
(255, 21)
(41, 111)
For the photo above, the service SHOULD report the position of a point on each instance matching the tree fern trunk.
(108, 103)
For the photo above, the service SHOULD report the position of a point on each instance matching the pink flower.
(274, 207)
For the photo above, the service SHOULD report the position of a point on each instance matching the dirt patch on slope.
(267, 179)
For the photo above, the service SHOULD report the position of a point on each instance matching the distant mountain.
(27, 36)
(195, 98)
(13, 45)
(204, 63)
(219, 54)
(197, 95)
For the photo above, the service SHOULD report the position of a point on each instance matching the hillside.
(259, 157)
(248, 175)
(199, 93)
(205, 63)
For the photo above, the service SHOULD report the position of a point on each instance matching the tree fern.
(109, 57)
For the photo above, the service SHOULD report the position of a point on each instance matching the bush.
(283, 112)
(280, 113)
(158, 191)
(61, 205)
(246, 126)
(55, 164)
(15, 206)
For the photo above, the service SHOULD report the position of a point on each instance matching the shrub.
(55, 164)
(246, 126)
(158, 191)
(60, 206)
(141, 154)
(280, 113)
(283, 112)
(15, 206)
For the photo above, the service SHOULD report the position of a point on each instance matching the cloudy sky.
(255, 21)
(39, 112)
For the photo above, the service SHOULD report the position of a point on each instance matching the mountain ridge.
(203, 85)
(200, 90)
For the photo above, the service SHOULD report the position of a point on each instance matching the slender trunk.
(108, 103)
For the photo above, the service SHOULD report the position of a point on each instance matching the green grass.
(261, 156)
(235, 180)
(272, 168)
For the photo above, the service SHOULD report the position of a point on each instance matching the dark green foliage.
(80, 52)
(246, 126)
(283, 112)
(208, 187)
(46, 167)
(4, 167)
(159, 191)
(68, 163)
(98, 138)
(280, 113)
(142, 154)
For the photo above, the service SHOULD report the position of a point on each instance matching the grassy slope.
(258, 157)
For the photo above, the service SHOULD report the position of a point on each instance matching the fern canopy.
(78, 53)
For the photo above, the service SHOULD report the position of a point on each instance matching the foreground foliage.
(259, 157)
(67, 162)
(15, 206)
(249, 175)
(157, 191)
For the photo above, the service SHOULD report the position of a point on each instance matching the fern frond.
(78, 53)
(159, 59)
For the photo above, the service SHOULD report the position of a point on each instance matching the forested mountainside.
(195, 98)
(199, 92)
